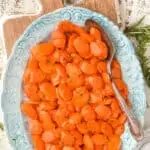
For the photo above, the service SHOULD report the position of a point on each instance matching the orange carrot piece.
(88, 113)
(88, 143)
(37, 142)
(35, 127)
(29, 110)
(99, 139)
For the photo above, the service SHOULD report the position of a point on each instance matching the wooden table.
(13, 28)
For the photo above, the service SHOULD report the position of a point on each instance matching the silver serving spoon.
(135, 126)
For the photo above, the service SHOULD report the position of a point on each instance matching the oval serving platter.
(12, 95)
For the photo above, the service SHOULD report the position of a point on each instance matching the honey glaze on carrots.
(71, 103)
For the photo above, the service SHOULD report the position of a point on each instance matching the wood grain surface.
(13, 28)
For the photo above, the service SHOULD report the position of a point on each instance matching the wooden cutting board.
(13, 28)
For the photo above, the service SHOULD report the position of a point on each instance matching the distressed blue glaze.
(16, 123)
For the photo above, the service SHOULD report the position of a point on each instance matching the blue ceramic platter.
(12, 94)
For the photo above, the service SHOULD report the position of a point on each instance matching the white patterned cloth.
(19, 7)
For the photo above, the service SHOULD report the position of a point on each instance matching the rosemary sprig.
(1, 126)
(142, 36)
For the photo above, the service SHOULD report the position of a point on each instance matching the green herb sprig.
(1, 126)
(142, 36)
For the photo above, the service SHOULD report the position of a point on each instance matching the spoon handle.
(135, 126)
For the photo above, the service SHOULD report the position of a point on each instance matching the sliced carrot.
(95, 33)
(70, 47)
(29, 110)
(31, 91)
(48, 90)
(67, 139)
(35, 127)
(116, 73)
(93, 126)
(115, 64)
(102, 67)
(80, 97)
(82, 47)
(99, 49)
(32, 63)
(88, 113)
(76, 58)
(96, 82)
(78, 137)
(119, 130)
(104, 112)
(64, 92)
(65, 58)
(96, 97)
(88, 143)
(88, 68)
(106, 129)
(42, 49)
(48, 136)
(82, 128)
(99, 139)
(75, 118)
(68, 148)
(99, 147)
(73, 70)
(114, 143)
(37, 142)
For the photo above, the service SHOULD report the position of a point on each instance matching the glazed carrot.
(75, 82)
(73, 70)
(88, 68)
(71, 47)
(42, 49)
(88, 113)
(37, 142)
(99, 147)
(96, 97)
(58, 39)
(32, 63)
(67, 138)
(102, 67)
(65, 58)
(48, 136)
(31, 91)
(48, 90)
(46, 65)
(88, 143)
(106, 129)
(35, 127)
(80, 97)
(78, 137)
(99, 49)
(82, 128)
(46, 120)
(115, 64)
(114, 143)
(82, 47)
(29, 110)
(94, 126)
(104, 112)
(99, 139)
(75, 118)
(96, 82)
(116, 73)
(95, 33)
(119, 130)
(64, 92)
(76, 58)
(71, 102)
